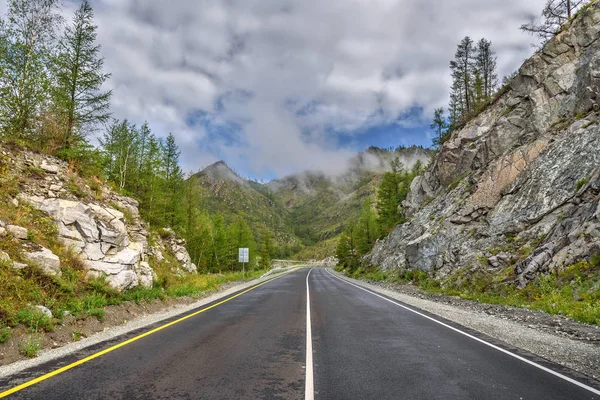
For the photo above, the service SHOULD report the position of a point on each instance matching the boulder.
(4, 256)
(44, 310)
(17, 231)
(46, 259)
(3, 231)
(127, 256)
(17, 265)
(123, 280)
(145, 275)
(50, 168)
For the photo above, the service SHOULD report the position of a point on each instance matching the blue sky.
(274, 87)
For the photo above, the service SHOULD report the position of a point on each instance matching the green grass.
(31, 346)
(5, 334)
(573, 292)
(35, 320)
(581, 183)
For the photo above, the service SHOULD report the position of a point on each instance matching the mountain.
(305, 210)
(515, 193)
(224, 192)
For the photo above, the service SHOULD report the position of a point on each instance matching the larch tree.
(439, 126)
(555, 14)
(462, 73)
(485, 64)
(77, 68)
(173, 178)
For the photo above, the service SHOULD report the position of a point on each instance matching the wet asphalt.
(253, 347)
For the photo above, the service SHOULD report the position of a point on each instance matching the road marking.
(309, 386)
(126, 342)
(561, 376)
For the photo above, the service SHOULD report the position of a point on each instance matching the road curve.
(254, 346)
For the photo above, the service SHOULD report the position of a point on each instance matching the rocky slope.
(517, 188)
(101, 227)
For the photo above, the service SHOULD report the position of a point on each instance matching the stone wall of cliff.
(520, 183)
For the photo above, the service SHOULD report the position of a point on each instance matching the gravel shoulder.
(555, 338)
(115, 324)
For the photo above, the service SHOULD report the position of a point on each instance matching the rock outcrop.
(104, 229)
(98, 233)
(520, 183)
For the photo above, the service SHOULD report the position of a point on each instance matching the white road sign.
(244, 255)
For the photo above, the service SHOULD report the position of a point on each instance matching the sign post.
(244, 257)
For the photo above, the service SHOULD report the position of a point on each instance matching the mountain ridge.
(304, 209)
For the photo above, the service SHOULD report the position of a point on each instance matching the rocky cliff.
(103, 229)
(518, 186)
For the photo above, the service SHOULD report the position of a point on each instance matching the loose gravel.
(555, 338)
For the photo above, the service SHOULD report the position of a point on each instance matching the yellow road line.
(105, 351)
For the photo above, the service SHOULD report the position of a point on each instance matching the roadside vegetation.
(573, 292)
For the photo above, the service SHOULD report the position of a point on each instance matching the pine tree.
(439, 126)
(78, 75)
(27, 39)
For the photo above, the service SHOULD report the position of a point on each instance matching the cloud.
(292, 76)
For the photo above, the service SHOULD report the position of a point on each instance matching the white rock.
(3, 231)
(17, 231)
(69, 232)
(2, 224)
(75, 245)
(51, 194)
(4, 256)
(112, 237)
(118, 226)
(115, 213)
(93, 251)
(44, 310)
(17, 265)
(15, 202)
(101, 212)
(47, 260)
(127, 256)
(55, 188)
(145, 275)
(106, 247)
(105, 267)
(50, 168)
(123, 280)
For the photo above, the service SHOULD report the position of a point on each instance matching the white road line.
(561, 376)
(309, 386)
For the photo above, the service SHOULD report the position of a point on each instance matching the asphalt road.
(254, 347)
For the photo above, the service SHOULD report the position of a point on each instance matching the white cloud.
(355, 63)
